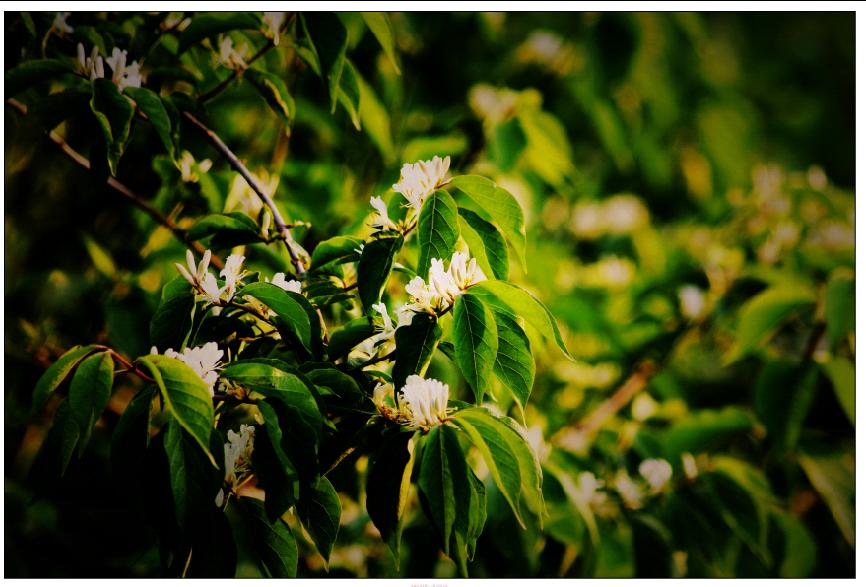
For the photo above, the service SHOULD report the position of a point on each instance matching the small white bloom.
(204, 360)
(405, 313)
(442, 282)
(424, 402)
(131, 77)
(692, 302)
(91, 66)
(690, 466)
(628, 490)
(117, 63)
(60, 24)
(383, 398)
(189, 168)
(210, 289)
(588, 490)
(230, 57)
(291, 285)
(464, 271)
(657, 473)
(419, 180)
(424, 297)
(388, 326)
(232, 273)
(238, 458)
(274, 21)
(381, 221)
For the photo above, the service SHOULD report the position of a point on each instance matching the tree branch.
(238, 166)
(218, 89)
(123, 190)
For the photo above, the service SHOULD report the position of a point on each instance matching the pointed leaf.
(514, 364)
(273, 541)
(840, 371)
(349, 93)
(415, 344)
(319, 511)
(380, 26)
(273, 89)
(32, 72)
(485, 242)
(153, 107)
(56, 374)
(475, 342)
(375, 268)
(171, 323)
(338, 248)
(89, 392)
(131, 436)
(275, 472)
(329, 40)
(438, 229)
(352, 334)
(194, 481)
(114, 114)
(388, 483)
(289, 311)
(211, 24)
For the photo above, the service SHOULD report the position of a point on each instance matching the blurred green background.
(687, 181)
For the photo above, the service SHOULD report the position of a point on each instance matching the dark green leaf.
(56, 374)
(213, 23)
(762, 315)
(54, 108)
(329, 40)
(839, 307)
(186, 397)
(485, 242)
(415, 344)
(32, 72)
(350, 93)
(475, 342)
(319, 511)
(273, 89)
(273, 541)
(388, 483)
(801, 551)
(114, 114)
(338, 248)
(194, 481)
(171, 323)
(353, 333)
(235, 222)
(831, 473)
(438, 229)
(520, 304)
(500, 205)
(152, 106)
(653, 547)
(380, 26)
(514, 364)
(131, 436)
(289, 311)
(89, 392)
(375, 267)
(508, 143)
(212, 545)
(783, 396)
(276, 473)
(840, 371)
(700, 430)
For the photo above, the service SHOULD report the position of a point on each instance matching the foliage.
(507, 357)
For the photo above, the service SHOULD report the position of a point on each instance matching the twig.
(238, 166)
(218, 89)
(129, 365)
(122, 189)
(814, 339)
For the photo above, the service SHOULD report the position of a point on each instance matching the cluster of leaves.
(710, 314)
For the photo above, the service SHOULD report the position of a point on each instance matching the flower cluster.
(274, 22)
(122, 75)
(417, 181)
(204, 360)
(238, 459)
(60, 25)
(205, 282)
(422, 403)
(443, 287)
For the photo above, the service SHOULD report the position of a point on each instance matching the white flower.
(92, 66)
(423, 402)
(443, 287)
(419, 180)
(231, 57)
(238, 458)
(383, 399)
(131, 77)
(405, 313)
(204, 360)
(232, 273)
(192, 273)
(274, 21)
(587, 490)
(465, 271)
(381, 221)
(692, 302)
(117, 63)
(122, 75)
(657, 473)
(425, 298)
(187, 162)
(690, 466)
(291, 285)
(442, 282)
(60, 23)
(628, 490)
(388, 326)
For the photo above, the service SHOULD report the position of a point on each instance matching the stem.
(122, 189)
(238, 166)
(218, 89)
(129, 365)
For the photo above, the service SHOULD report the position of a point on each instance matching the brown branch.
(218, 89)
(122, 189)
(238, 166)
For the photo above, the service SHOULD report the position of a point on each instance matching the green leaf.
(171, 323)
(194, 481)
(89, 392)
(501, 448)
(319, 511)
(784, 394)
(438, 229)
(275, 472)
(703, 429)
(114, 114)
(54, 108)
(131, 436)
(101, 259)
(375, 120)
(388, 484)
(235, 228)
(514, 365)
(840, 371)
(273, 542)
(56, 374)
(485, 242)
(520, 304)
(329, 40)
(338, 248)
(415, 344)
(380, 26)
(154, 108)
(801, 551)
(500, 206)
(211, 24)
(290, 312)
(70, 434)
(507, 144)
(831, 473)
(186, 397)
(839, 307)
(349, 93)
(352, 334)
(375, 266)
(273, 89)
(32, 72)
(762, 315)
(475, 342)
